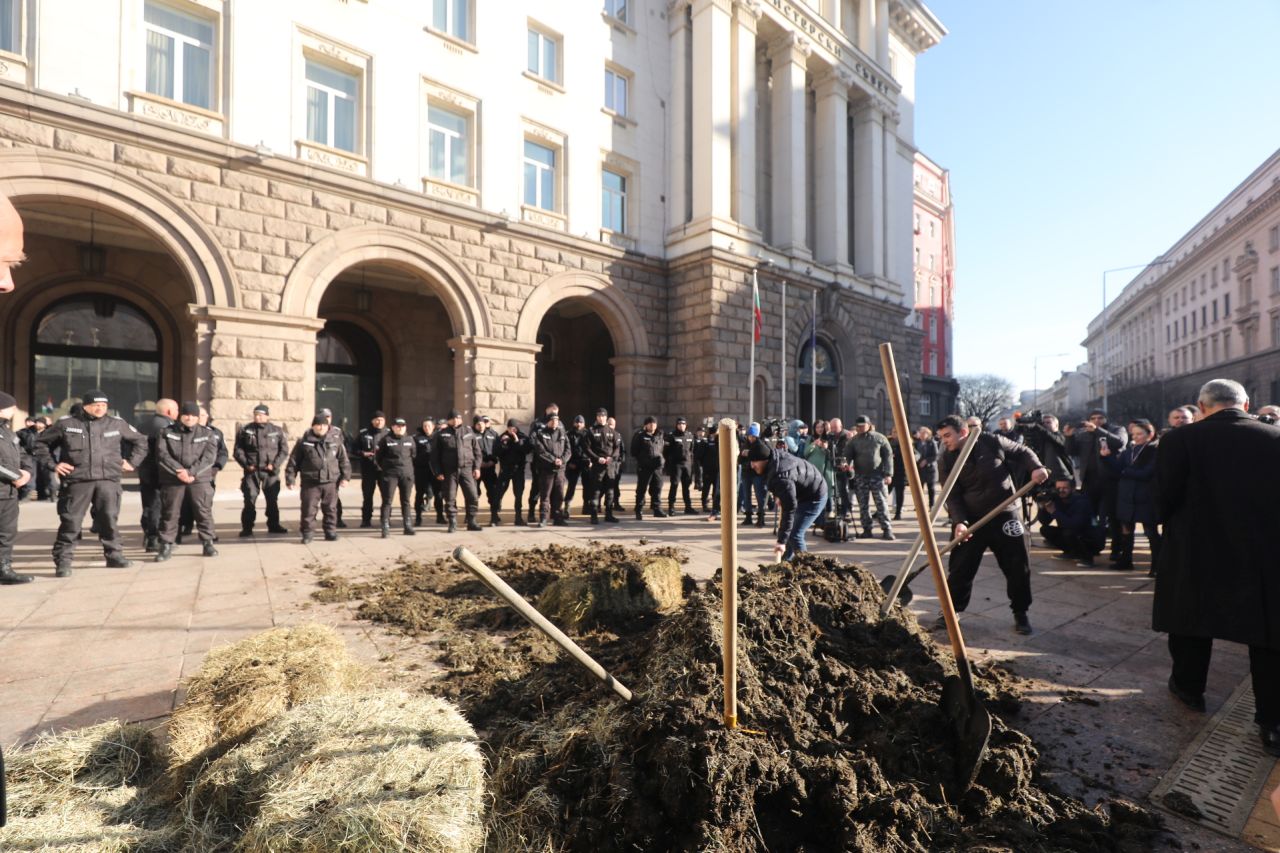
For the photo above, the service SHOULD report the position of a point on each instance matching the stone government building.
(418, 206)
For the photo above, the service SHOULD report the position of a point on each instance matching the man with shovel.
(983, 485)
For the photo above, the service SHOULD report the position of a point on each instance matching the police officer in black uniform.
(551, 453)
(486, 441)
(677, 453)
(512, 451)
(185, 456)
(395, 457)
(577, 465)
(365, 449)
(164, 416)
(17, 469)
(219, 462)
(93, 447)
(646, 449)
(321, 461)
(453, 458)
(535, 491)
(262, 450)
(335, 435)
(423, 475)
(604, 454)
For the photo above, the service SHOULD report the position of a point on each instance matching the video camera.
(1033, 417)
(775, 430)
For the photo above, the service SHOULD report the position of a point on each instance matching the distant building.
(1069, 396)
(934, 264)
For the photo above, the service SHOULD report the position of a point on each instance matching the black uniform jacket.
(261, 445)
(151, 427)
(1217, 575)
(450, 453)
(604, 442)
(791, 479)
(422, 452)
(646, 449)
(678, 450)
(95, 446)
(14, 459)
(985, 482)
(548, 446)
(367, 442)
(318, 459)
(396, 454)
(193, 449)
(512, 451)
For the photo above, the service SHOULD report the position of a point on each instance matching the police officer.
(577, 464)
(699, 453)
(335, 435)
(646, 449)
(262, 451)
(93, 447)
(185, 456)
(486, 441)
(677, 452)
(395, 459)
(322, 463)
(27, 441)
(424, 477)
(551, 453)
(17, 469)
(455, 463)
(535, 491)
(219, 462)
(622, 461)
(164, 416)
(512, 451)
(366, 448)
(604, 455)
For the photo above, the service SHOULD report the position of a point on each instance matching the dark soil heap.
(849, 750)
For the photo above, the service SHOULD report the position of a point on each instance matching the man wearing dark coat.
(1216, 574)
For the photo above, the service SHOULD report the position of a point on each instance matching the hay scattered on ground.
(623, 590)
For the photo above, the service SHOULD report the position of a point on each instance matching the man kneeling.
(1075, 533)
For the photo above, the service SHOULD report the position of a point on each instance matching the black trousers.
(899, 486)
(598, 486)
(648, 480)
(470, 493)
(1124, 546)
(552, 484)
(513, 480)
(844, 492)
(571, 476)
(489, 479)
(321, 496)
(188, 515)
(1191, 672)
(150, 494)
(8, 527)
(683, 477)
(172, 498)
(368, 485)
(102, 497)
(1071, 542)
(266, 483)
(710, 487)
(427, 491)
(1003, 536)
(387, 485)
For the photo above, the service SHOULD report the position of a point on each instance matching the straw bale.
(374, 771)
(619, 590)
(248, 683)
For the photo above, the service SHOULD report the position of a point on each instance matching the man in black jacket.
(454, 459)
(185, 456)
(984, 484)
(219, 462)
(512, 451)
(27, 439)
(486, 445)
(577, 464)
(551, 452)
(646, 449)
(1098, 478)
(262, 451)
(1216, 572)
(424, 477)
(395, 458)
(1075, 534)
(604, 457)
(322, 463)
(366, 448)
(164, 416)
(16, 470)
(677, 454)
(799, 488)
(92, 446)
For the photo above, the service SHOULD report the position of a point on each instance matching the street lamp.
(1106, 318)
(1035, 367)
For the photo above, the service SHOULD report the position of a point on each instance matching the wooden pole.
(728, 445)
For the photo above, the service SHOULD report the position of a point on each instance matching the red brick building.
(933, 220)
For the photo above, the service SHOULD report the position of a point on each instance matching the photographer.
(1097, 478)
(1075, 535)
(1040, 432)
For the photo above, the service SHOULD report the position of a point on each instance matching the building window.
(544, 55)
(11, 26)
(1275, 330)
(1215, 310)
(933, 364)
(917, 223)
(452, 17)
(1275, 281)
(1226, 305)
(926, 405)
(179, 56)
(1184, 325)
(1213, 276)
(615, 91)
(1226, 346)
(1226, 268)
(917, 257)
(333, 102)
(1204, 316)
(931, 227)
(448, 146)
(613, 201)
(539, 176)
(1274, 237)
(932, 262)
(616, 9)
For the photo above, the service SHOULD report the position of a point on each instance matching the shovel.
(904, 589)
(970, 721)
(893, 584)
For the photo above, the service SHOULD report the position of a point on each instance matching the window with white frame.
(539, 175)
(926, 405)
(11, 26)
(180, 55)
(616, 85)
(333, 107)
(452, 17)
(448, 145)
(544, 55)
(613, 201)
(616, 9)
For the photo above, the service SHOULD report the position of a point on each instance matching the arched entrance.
(348, 374)
(574, 366)
(824, 376)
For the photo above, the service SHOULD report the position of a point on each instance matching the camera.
(1267, 419)
(1032, 417)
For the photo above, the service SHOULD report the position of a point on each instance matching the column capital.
(834, 80)
(747, 11)
(677, 17)
(700, 6)
(792, 47)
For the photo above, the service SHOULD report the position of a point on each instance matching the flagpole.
(813, 361)
(751, 374)
(785, 336)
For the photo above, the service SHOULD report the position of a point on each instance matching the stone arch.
(445, 278)
(36, 175)
(618, 313)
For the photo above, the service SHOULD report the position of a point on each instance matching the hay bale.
(248, 683)
(373, 771)
(619, 591)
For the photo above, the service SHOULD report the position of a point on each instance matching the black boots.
(386, 530)
(306, 538)
(1021, 624)
(471, 522)
(408, 529)
(639, 514)
(658, 513)
(519, 518)
(440, 517)
(164, 552)
(453, 525)
(119, 561)
(277, 528)
(150, 543)
(595, 515)
(246, 532)
(8, 577)
(209, 550)
(494, 520)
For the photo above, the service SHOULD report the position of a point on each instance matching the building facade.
(1069, 396)
(934, 265)
(1208, 307)
(417, 206)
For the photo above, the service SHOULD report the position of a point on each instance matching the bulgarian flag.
(755, 306)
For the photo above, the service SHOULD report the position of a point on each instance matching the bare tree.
(984, 395)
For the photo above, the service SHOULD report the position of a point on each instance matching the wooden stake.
(728, 445)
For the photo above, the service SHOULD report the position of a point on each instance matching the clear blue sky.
(1084, 136)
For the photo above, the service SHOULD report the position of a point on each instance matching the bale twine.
(620, 591)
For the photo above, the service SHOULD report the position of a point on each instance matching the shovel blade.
(904, 595)
(971, 723)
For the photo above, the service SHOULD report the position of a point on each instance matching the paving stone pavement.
(116, 643)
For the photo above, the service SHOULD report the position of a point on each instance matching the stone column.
(713, 105)
(882, 33)
(789, 57)
(868, 191)
(745, 15)
(867, 27)
(831, 150)
(678, 201)
(636, 384)
(494, 377)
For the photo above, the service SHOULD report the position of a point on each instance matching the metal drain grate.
(1223, 770)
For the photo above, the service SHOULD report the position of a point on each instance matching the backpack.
(836, 530)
